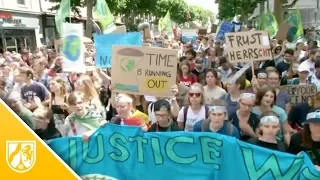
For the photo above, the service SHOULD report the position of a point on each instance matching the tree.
(280, 7)
(200, 14)
(178, 9)
(229, 8)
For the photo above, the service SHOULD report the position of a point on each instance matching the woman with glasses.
(265, 101)
(217, 121)
(196, 111)
(243, 119)
(82, 119)
(269, 128)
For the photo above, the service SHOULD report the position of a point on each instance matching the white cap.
(302, 68)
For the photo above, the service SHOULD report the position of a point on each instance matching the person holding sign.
(269, 126)
(217, 121)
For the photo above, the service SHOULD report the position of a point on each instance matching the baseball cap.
(162, 105)
(302, 68)
(313, 117)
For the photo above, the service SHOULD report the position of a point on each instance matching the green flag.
(294, 20)
(102, 12)
(165, 25)
(268, 22)
(62, 13)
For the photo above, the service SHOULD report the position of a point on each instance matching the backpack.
(185, 113)
(206, 123)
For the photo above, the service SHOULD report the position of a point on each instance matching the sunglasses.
(194, 94)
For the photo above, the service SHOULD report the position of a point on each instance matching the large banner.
(123, 152)
(72, 48)
(144, 70)
(104, 43)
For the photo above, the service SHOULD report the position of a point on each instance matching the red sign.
(5, 15)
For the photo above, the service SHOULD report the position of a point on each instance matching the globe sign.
(72, 47)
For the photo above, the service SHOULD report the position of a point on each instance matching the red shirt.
(189, 80)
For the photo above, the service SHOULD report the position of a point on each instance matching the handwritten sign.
(72, 48)
(300, 93)
(114, 151)
(144, 70)
(248, 46)
(104, 42)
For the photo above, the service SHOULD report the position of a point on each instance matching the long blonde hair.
(89, 90)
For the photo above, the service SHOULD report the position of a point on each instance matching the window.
(22, 2)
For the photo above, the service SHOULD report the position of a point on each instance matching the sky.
(206, 4)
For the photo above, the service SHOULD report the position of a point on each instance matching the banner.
(144, 70)
(248, 46)
(224, 27)
(123, 152)
(189, 35)
(103, 44)
(72, 48)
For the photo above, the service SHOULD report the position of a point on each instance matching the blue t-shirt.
(223, 130)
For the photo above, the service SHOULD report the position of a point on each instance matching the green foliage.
(229, 8)
(157, 8)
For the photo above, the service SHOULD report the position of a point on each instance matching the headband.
(262, 75)
(269, 119)
(196, 88)
(313, 115)
(247, 95)
(217, 109)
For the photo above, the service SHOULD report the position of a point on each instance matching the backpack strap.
(205, 125)
(281, 146)
(229, 129)
(206, 111)
(185, 113)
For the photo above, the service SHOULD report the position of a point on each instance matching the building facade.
(20, 24)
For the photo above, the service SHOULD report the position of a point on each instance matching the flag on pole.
(268, 22)
(165, 25)
(294, 20)
(62, 13)
(103, 14)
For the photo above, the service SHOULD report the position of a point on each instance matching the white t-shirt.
(151, 114)
(310, 65)
(191, 118)
(212, 94)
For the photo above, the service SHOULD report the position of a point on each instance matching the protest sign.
(214, 28)
(248, 46)
(123, 152)
(300, 93)
(189, 35)
(282, 32)
(58, 45)
(225, 27)
(202, 31)
(144, 70)
(72, 48)
(103, 44)
(120, 29)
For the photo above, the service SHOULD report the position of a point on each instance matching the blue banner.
(127, 153)
(225, 27)
(104, 43)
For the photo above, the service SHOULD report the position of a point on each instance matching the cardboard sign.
(248, 46)
(120, 29)
(144, 70)
(282, 32)
(214, 28)
(300, 93)
(58, 45)
(202, 31)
